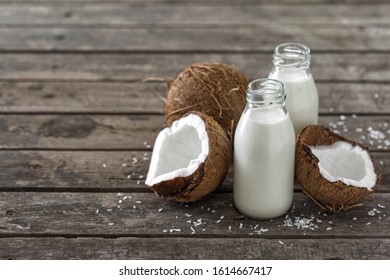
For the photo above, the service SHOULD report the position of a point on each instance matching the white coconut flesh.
(344, 162)
(179, 150)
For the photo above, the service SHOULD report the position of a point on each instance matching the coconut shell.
(218, 90)
(209, 175)
(331, 196)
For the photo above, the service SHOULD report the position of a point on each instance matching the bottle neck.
(265, 93)
(291, 56)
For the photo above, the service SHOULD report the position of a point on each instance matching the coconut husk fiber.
(216, 89)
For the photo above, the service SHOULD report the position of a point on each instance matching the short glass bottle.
(291, 65)
(264, 153)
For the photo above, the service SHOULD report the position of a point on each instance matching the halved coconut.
(190, 159)
(216, 89)
(337, 173)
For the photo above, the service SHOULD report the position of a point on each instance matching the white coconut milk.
(302, 97)
(291, 65)
(264, 153)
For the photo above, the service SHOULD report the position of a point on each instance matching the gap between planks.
(159, 3)
(191, 236)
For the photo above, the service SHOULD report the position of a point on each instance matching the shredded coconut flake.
(260, 231)
(175, 230)
(373, 212)
(300, 222)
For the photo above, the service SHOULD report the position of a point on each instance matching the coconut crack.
(179, 150)
(342, 161)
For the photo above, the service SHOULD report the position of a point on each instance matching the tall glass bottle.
(264, 152)
(291, 65)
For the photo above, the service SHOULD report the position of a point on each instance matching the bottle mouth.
(292, 55)
(266, 92)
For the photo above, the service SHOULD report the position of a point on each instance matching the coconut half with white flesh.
(336, 172)
(190, 159)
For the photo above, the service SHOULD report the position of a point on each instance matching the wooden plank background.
(81, 101)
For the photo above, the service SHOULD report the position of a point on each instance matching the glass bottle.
(264, 153)
(291, 65)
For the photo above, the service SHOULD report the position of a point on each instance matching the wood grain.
(160, 248)
(115, 98)
(193, 2)
(135, 132)
(29, 214)
(263, 37)
(131, 98)
(366, 67)
(123, 14)
(96, 171)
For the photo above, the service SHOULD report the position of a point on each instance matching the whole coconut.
(215, 89)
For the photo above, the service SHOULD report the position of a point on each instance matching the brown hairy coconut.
(190, 159)
(336, 172)
(215, 89)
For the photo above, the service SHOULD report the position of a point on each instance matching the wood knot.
(10, 212)
(68, 14)
(35, 166)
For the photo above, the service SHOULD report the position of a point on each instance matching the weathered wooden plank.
(263, 37)
(123, 14)
(354, 98)
(79, 131)
(144, 214)
(74, 170)
(111, 132)
(102, 171)
(91, 97)
(192, 2)
(49, 97)
(130, 67)
(125, 248)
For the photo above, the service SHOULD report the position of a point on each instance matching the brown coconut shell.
(218, 90)
(331, 196)
(210, 174)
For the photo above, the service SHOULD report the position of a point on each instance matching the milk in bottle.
(291, 65)
(264, 153)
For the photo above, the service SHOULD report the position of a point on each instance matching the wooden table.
(78, 121)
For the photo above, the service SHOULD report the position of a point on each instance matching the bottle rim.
(266, 92)
(292, 55)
